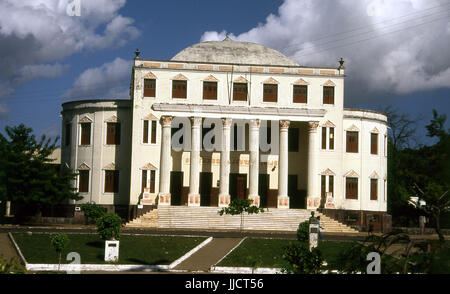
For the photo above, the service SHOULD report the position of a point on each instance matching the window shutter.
(324, 138)
(300, 94)
(323, 186)
(270, 92)
(85, 133)
(210, 90)
(153, 139)
(373, 189)
(144, 180)
(374, 143)
(149, 87)
(109, 181)
(240, 91)
(152, 181)
(352, 142)
(351, 188)
(179, 89)
(83, 186)
(331, 184)
(145, 132)
(328, 95)
(113, 133)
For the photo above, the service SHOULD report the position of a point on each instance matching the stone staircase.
(273, 219)
(147, 220)
(333, 226)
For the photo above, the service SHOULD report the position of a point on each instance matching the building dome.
(229, 51)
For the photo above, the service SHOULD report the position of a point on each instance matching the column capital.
(226, 121)
(312, 126)
(255, 123)
(196, 121)
(166, 121)
(284, 124)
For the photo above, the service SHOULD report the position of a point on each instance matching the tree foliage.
(59, 243)
(109, 226)
(26, 173)
(93, 211)
(238, 206)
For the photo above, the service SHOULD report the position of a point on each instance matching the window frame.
(150, 133)
(79, 180)
(323, 95)
(246, 96)
(148, 177)
(326, 139)
(346, 188)
(80, 142)
(373, 183)
(116, 173)
(154, 89)
(293, 94)
(347, 142)
(217, 90)
(172, 92)
(273, 97)
(372, 144)
(117, 135)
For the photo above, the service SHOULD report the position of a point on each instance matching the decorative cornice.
(374, 175)
(351, 174)
(375, 130)
(329, 83)
(84, 166)
(180, 77)
(328, 124)
(111, 166)
(150, 75)
(328, 172)
(226, 122)
(112, 119)
(85, 119)
(240, 80)
(210, 78)
(353, 128)
(301, 82)
(150, 117)
(312, 125)
(149, 166)
(270, 81)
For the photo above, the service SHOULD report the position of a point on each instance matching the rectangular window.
(352, 142)
(300, 94)
(324, 138)
(331, 185)
(373, 189)
(111, 181)
(293, 140)
(68, 134)
(153, 136)
(351, 188)
(85, 134)
(113, 133)
(328, 95)
(149, 87)
(331, 143)
(83, 184)
(323, 188)
(373, 143)
(270, 92)
(210, 90)
(149, 131)
(240, 91)
(179, 89)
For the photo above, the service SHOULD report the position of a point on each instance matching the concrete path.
(209, 255)
(7, 248)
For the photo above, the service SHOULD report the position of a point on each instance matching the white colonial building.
(254, 123)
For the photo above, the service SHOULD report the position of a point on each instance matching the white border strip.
(17, 248)
(187, 255)
(96, 267)
(244, 270)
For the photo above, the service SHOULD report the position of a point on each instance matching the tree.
(59, 242)
(109, 226)
(238, 207)
(27, 175)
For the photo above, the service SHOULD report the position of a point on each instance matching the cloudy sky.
(396, 52)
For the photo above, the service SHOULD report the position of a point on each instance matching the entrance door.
(176, 186)
(238, 186)
(205, 188)
(263, 188)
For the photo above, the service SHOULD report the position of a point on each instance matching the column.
(254, 161)
(313, 198)
(194, 174)
(164, 165)
(283, 198)
(224, 188)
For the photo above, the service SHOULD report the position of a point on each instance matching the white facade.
(199, 64)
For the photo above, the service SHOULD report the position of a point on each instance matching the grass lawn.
(148, 250)
(268, 252)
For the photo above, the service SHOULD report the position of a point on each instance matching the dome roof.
(229, 51)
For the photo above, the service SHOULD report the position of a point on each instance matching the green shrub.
(11, 266)
(109, 226)
(93, 211)
(303, 232)
(300, 260)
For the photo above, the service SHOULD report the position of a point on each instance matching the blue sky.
(396, 52)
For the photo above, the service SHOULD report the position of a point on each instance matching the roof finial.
(341, 64)
(137, 52)
(227, 38)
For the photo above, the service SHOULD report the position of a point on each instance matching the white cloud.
(34, 34)
(395, 46)
(4, 110)
(110, 80)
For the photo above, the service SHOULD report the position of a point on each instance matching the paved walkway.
(7, 248)
(208, 255)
